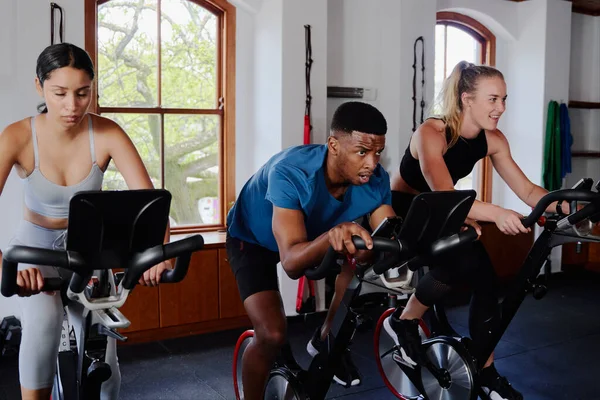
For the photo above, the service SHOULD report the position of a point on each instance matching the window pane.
(439, 59)
(192, 168)
(189, 55)
(461, 46)
(144, 131)
(127, 54)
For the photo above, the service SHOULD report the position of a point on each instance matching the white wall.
(296, 14)
(245, 86)
(279, 86)
(267, 101)
(585, 86)
(371, 46)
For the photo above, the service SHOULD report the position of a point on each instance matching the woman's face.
(487, 104)
(68, 95)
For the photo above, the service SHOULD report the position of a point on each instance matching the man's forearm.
(304, 255)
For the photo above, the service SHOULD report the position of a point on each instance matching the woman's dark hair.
(59, 56)
(360, 117)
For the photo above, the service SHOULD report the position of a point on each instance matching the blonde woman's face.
(488, 103)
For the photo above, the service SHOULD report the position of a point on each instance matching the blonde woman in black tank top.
(442, 151)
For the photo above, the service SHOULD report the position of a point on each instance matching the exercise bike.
(454, 362)
(107, 230)
(429, 229)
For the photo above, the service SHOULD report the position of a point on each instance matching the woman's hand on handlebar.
(152, 276)
(510, 222)
(340, 237)
(472, 223)
(30, 281)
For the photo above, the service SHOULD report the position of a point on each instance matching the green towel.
(552, 160)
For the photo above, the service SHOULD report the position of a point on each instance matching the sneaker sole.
(388, 329)
(311, 349)
(492, 394)
(354, 382)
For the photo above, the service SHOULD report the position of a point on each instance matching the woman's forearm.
(482, 211)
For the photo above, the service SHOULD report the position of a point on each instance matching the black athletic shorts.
(254, 266)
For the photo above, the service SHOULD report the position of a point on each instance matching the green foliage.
(128, 77)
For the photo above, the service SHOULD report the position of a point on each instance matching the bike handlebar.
(443, 245)
(563, 194)
(396, 247)
(73, 261)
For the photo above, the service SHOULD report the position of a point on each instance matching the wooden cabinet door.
(196, 298)
(230, 303)
(141, 308)
(506, 252)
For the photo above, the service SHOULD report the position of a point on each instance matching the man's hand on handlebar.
(510, 222)
(340, 238)
(152, 276)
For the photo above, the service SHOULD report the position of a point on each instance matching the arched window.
(458, 37)
(165, 74)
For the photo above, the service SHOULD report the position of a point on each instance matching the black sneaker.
(314, 344)
(346, 374)
(497, 387)
(405, 334)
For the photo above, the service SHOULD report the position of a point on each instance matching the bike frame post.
(482, 349)
(321, 370)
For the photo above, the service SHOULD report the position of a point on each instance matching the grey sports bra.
(50, 199)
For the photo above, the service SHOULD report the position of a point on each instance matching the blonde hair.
(463, 79)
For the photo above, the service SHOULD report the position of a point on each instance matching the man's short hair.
(360, 117)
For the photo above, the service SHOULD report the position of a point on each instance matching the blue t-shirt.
(295, 179)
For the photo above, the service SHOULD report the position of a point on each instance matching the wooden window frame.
(488, 56)
(225, 90)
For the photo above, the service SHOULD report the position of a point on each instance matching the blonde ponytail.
(463, 79)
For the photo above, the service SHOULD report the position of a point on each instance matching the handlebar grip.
(37, 256)
(379, 244)
(443, 245)
(9, 277)
(187, 245)
(323, 269)
(52, 284)
(440, 246)
(181, 249)
(530, 220)
(184, 248)
(561, 194)
(177, 274)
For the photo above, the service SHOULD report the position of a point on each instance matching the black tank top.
(460, 160)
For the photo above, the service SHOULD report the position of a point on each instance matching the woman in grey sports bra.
(61, 151)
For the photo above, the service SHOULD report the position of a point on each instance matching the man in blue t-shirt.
(302, 201)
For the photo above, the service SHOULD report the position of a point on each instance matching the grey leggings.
(42, 317)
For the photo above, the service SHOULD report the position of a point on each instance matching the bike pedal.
(99, 371)
(539, 291)
(103, 330)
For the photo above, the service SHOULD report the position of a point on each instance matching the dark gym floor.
(550, 351)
